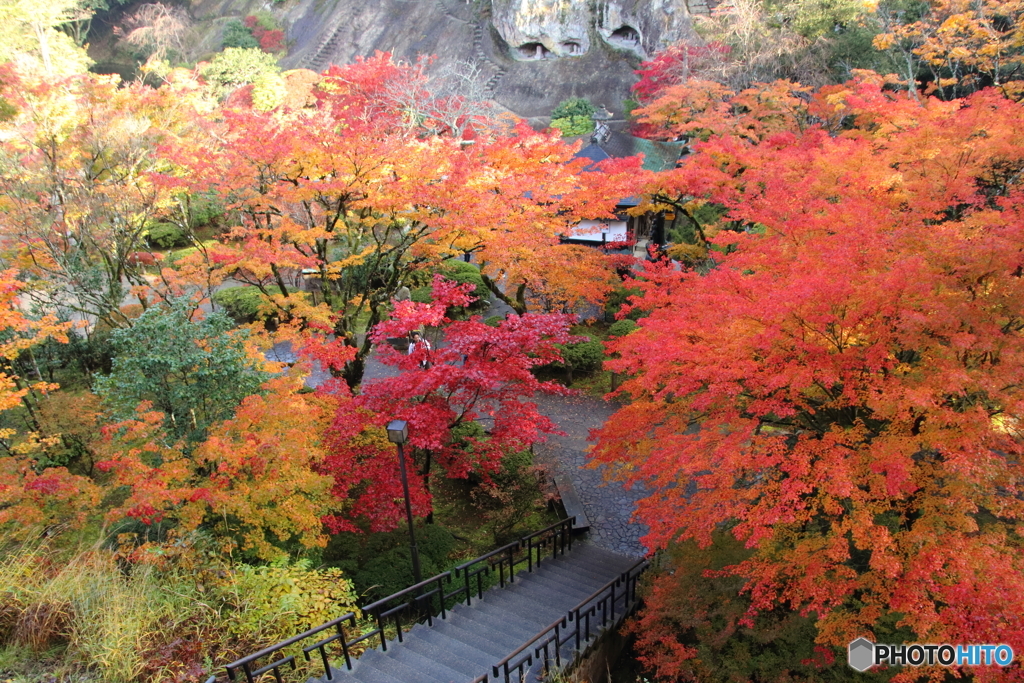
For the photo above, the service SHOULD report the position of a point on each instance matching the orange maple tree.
(31, 495)
(352, 191)
(252, 484)
(78, 201)
(843, 389)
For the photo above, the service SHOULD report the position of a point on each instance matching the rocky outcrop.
(531, 54)
(643, 26)
(550, 29)
(543, 29)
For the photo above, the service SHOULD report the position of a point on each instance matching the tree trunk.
(425, 473)
(518, 304)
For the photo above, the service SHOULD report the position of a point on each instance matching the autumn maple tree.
(842, 390)
(353, 190)
(965, 46)
(31, 495)
(252, 484)
(475, 373)
(78, 199)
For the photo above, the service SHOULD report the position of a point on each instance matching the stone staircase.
(497, 70)
(447, 629)
(466, 645)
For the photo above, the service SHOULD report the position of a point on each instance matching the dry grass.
(101, 617)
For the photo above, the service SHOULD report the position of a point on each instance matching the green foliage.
(620, 328)
(814, 19)
(199, 210)
(463, 273)
(286, 598)
(628, 105)
(574, 106)
(246, 304)
(195, 371)
(508, 501)
(381, 564)
(573, 125)
(166, 236)
(268, 91)
(577, 357)
(237, 66)
(242, 303)
(238, 35)
(684, 228)
(494, 320)
(422, 295)
(467, 430)
(72, 365)
(266, 21)
(178, 254)
(583, 355)
(619, 297)
(7, 110)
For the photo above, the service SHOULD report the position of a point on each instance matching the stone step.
(473, 638)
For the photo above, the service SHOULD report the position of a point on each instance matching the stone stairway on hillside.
(448, 629)
(466, 645)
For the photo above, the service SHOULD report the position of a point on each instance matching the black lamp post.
(398, 432)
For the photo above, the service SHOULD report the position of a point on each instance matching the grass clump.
(168, 613)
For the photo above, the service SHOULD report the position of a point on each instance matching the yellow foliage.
(283, 599)
(688, 253)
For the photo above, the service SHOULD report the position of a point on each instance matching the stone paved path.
(608, 505)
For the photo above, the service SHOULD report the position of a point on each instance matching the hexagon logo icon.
(861, 654)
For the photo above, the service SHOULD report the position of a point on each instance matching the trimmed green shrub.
(390, 570)
(571, 126)
(241, 303)
(178, 254)
(574, 106)
(617, 299)
(166, 236)
(620, 328)
(508, 504)
(583, 356)
(463, 273)
(238, 66)
(245, 304)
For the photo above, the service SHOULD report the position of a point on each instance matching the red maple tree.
(473, 373)
(843, 389)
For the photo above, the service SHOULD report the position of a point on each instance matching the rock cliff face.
(531, 53)
(551, 29)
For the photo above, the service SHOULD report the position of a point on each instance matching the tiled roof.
(658, 156)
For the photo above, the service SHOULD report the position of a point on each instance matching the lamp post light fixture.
(398, 433)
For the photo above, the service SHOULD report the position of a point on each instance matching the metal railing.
(557, 537)
(575, 627)
(411, 605)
